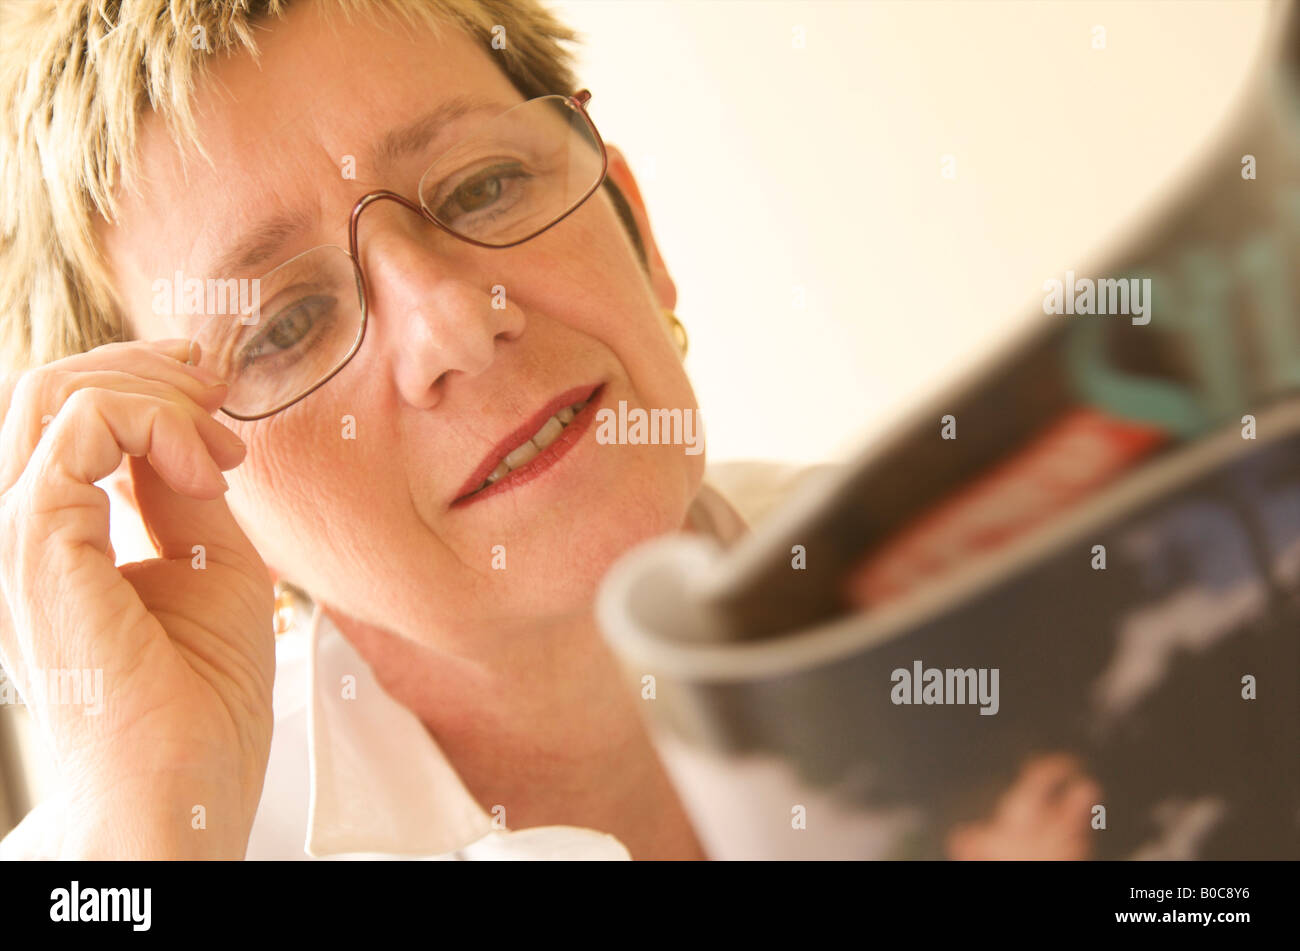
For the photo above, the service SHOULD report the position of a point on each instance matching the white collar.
(379, 782)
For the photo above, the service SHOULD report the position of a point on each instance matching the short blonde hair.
(75, 75)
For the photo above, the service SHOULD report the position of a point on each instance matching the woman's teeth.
(525, 453)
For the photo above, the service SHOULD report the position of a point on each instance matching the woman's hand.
(184, 642)
(1044, 815)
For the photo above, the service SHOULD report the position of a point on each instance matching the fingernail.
(172, 345)
(204, 375)
(208, 377)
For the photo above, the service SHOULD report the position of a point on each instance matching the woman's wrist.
(138, 819)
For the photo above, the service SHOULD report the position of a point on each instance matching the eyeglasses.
(514, 177)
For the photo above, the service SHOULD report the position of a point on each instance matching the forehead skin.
(259, 166)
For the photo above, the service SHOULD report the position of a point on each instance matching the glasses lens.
(297, 325)
(516, 175)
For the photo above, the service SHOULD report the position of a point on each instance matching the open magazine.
(1171, 675)
(1085, 553)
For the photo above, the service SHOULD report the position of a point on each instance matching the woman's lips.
(546, 458)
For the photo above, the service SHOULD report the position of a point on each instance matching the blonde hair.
(75, 75)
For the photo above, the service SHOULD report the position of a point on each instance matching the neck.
(551, 730)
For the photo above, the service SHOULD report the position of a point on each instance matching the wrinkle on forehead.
(283, 150)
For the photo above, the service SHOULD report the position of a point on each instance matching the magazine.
(1073, 576)
(1150, 637)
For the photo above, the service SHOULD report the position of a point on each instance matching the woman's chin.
(563, 576)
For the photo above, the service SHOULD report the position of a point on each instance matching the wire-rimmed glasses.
(509, 180)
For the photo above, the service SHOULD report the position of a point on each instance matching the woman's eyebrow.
(417, 135)
(260, 243)
(265, 239)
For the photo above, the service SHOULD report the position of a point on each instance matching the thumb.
(176, 523)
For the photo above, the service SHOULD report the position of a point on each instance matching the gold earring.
(677, 330)
(284, 608)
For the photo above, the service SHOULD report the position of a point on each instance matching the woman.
(370, 435)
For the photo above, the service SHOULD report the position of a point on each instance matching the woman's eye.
(474, 195)
(480, 192)
(289, 328)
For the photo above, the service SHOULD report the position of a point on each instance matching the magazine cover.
(1128, 674)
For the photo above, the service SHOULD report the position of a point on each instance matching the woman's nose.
(431, 313)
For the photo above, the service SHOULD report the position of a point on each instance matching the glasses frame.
(578, 102)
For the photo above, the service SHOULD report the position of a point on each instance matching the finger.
(65, 515)
(44, 389)
(1084, 792)
(36, 398)
(19, 438)
(164, 361)
(56, 498)
(86, 442)
(168, 361)
(176, 523)
(1045, 773)
(174, 348)
(1032, 799)
(177, 348)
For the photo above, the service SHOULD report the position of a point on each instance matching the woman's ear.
(621, 174)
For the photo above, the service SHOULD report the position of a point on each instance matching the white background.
(765, 166)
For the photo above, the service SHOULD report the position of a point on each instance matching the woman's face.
(366, 523)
